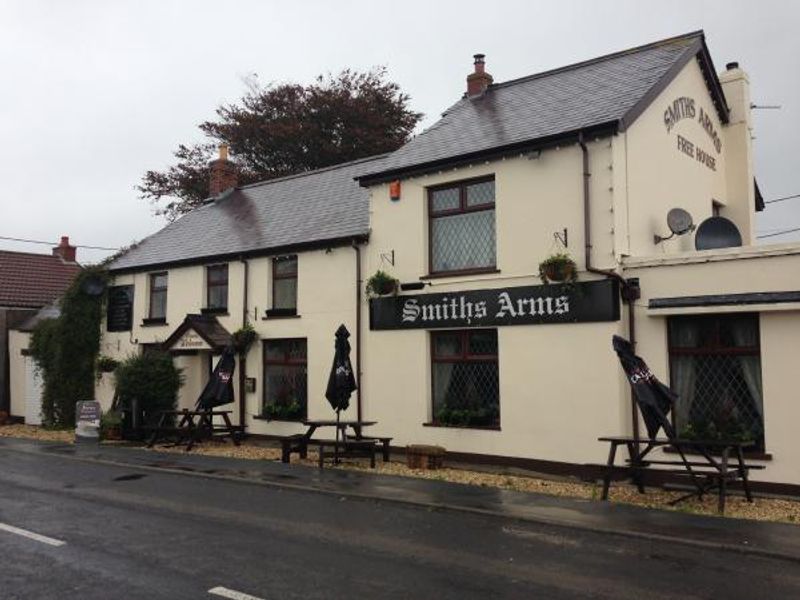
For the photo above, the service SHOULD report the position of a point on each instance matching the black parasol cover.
(654, 399)
(341, 382)
(219, 389)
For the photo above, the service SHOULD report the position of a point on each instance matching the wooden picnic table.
(193, 426)
(299, 442)
(712, 470)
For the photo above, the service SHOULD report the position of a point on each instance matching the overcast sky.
(96, 93)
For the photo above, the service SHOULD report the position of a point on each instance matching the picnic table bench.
(714, 471)
(350, 444)
(194, 426)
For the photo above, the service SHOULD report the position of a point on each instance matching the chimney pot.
(65, 250)
(732, 65)
(479, 79)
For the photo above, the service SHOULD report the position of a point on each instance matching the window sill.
(443, 274)
(752, 455)
(221, 311)
(474, 427)
(281, 313)
(269, 419)
(154, 322)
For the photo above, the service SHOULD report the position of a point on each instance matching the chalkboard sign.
(583, 302)
(119, 315)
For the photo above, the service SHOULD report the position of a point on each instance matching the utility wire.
(782, 199)
(766, 235)
(13, 239)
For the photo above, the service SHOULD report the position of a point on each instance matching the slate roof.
(610, 91)
(29, 280)
(308, 208)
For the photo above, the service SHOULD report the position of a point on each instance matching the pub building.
(473, 352)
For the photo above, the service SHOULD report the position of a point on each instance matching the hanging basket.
(558, 268)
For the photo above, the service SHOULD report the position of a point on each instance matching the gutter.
(242, 356)
(358, 329)
(630, 290)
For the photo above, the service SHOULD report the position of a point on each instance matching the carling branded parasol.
(653, 397)
(219, 389)
(341, 381)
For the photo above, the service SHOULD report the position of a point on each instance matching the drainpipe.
(242, 357)
(630, 291)
(358, 329)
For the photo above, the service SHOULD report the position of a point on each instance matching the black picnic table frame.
(193, 426)
(716, 454)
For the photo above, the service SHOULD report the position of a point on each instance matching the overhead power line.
(782, 199)
(13, 239)
(766, 235)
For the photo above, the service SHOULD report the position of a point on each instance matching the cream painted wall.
(661, 177)
(326, 299)
(735, 271)
(548, 373)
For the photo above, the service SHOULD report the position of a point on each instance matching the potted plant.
(288, 411)
(558, 268)
(111, 426)
(106, 364)
(381, 284)
(243, 338)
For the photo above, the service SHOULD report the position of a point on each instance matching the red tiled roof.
(30, 280)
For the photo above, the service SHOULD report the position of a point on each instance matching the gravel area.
(38, 433)
(763, 509)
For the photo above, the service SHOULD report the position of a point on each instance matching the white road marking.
(232, 594)
(31, 535)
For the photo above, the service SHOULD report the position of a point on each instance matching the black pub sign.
(590, 301)
(119, 312)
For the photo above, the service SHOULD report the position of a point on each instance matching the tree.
(279, 130)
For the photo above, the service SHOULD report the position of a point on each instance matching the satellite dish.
(717, 232)
(93, 286)
(679, 222)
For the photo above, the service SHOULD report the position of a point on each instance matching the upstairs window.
(284, 284)
(158, 295)
(217, 287)
(715, 367)
(462, 227)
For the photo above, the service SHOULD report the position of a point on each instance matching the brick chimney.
(479, 80)
(223, 173)
(64, 250)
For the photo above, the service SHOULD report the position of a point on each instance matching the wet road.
(115, 532)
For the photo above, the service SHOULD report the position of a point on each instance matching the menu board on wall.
(119, 314)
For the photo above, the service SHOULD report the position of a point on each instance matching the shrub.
(151, 378)
(66, 349)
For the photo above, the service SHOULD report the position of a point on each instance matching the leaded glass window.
(715, 367)
(285, 379)
(462, 226)
(465, 378)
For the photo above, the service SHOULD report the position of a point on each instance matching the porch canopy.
(198, 333)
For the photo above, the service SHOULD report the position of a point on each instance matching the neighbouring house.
(28, 283)
(473, 352)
